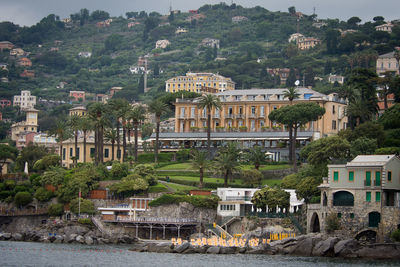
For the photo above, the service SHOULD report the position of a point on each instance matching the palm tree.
(124, 115)
(291, 94)
(74, 124)
(97, 113)
(209, 102)
(111, 136)
(62, 133)
(199, 161)
(116, 105)
(137, 116)
(158, 108)
(227, 162)
(85, 125)
(257, 156)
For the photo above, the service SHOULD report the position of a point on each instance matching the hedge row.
(196, 184)
(149, 157)
(210, 202)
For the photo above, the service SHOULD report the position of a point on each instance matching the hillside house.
(17, 52)
(387, 27)
(76, 95)
(238, 19)
(307, 43)
(6, 45)
(387, 62)
(210, 42)
(162, 44)
(85, 54)
(24, 61)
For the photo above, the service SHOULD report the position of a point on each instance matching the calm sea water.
(40, 254)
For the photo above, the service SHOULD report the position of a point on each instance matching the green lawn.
(188, 167)
(159, 187)
(269, 182)
(180, 187)
(177, 166)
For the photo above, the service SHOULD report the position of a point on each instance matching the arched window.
(343, 198)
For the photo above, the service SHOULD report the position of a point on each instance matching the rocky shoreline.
(312, 245)
(305, 245)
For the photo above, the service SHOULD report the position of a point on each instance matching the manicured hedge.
(149, 157)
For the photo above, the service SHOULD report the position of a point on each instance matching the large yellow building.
(248, 110)
(23, 127)
(193, 82)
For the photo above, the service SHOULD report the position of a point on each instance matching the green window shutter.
(377, 196)
(106, 153)
(77, 153)
(368, 196)
(351, 176)
(377, 178)
(389, 176)
(368, 178)
(71, 154)
(335, 176)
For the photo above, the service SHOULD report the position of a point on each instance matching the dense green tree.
(363, 146)
(209, 102)
(99, 15)
(332, 40)
(43, 195)
(86, 206)
(323, 151)
(295, 116)
(119, 170)
(56, 209)
(7, 153)
(97, 113)
(110, 135)
(54, 176)
(130, 185)
(113, 42)
(291, 79)
(31, 153)
(390, 119)
(308, 188)
(22, 199)
(251, 178)
(271, 197)
(46, 162)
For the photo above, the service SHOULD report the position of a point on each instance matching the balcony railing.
(229, 116)
(244, 198)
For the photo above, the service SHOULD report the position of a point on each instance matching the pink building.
(76, 95)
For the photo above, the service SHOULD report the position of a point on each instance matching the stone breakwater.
(306, 245)
(66, 233)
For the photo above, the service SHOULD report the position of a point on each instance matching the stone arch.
(315, 226)
(374, 218)
(366, 235)
(343, 198)
(324, 199)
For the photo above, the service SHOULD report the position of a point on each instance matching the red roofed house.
(27, 73)
(6, 45)
(24, 61)
(5, 103)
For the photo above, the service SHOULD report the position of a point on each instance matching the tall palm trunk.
(290, 144)
(136, 141)
(294, 148)
(201, 178)
(124, 141)
(84, 146)
(157, 137)
(209, 132)
(112, 149)
(61, 152)
(76, 148)
(101, 135)
(226, 179)
(96, 146)
(118, 140)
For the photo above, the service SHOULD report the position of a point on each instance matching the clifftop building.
(193, 82)
(387, 62)
(364, 194)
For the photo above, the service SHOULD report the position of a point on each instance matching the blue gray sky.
(29, 12)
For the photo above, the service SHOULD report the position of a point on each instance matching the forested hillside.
(247, 49)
